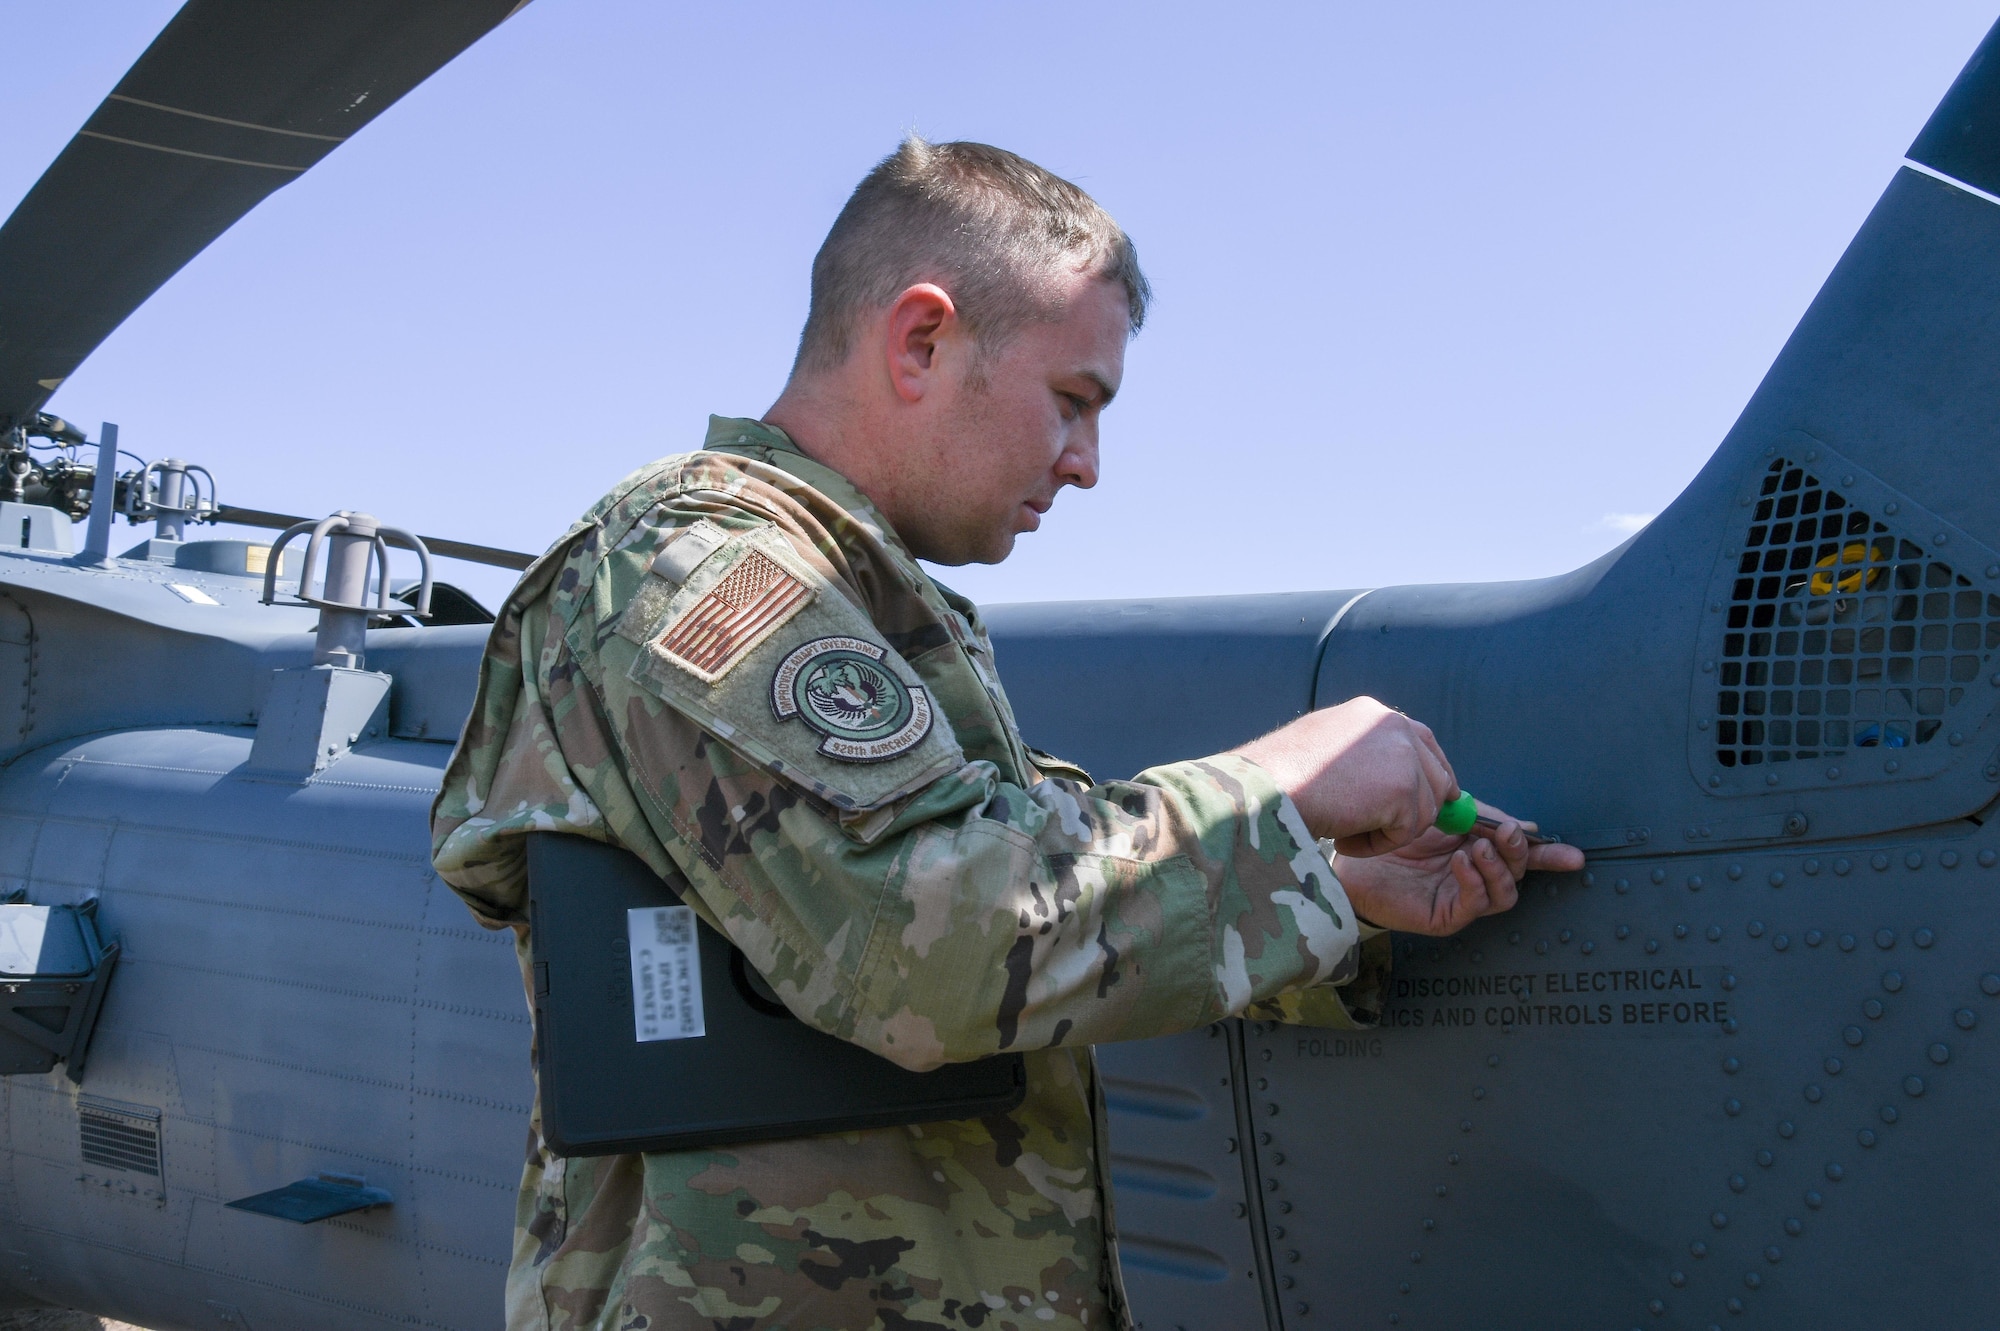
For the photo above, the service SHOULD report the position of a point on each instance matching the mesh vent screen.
(116, 1139)
(1841, 633)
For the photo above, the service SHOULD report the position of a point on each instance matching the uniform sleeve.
(901, 896)
(992, 916)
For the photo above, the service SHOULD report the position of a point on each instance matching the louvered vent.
(120, 1136)
(1842, 634)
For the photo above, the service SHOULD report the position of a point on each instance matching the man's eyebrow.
(1105, 392)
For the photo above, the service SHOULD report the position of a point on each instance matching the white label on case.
(666, 973)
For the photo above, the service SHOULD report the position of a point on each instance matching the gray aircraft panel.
(290, 955)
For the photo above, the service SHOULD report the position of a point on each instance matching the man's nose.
(1078, 464)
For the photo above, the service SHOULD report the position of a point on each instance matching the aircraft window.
(1841, 634)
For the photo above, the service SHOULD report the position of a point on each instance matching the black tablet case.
(758, 1073)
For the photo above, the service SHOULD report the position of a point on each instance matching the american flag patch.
(732, 617)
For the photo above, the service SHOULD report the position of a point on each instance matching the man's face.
(1021, 425)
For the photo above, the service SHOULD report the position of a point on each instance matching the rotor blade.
(437, 545)
(234, 99)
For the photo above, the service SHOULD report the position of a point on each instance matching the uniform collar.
(773, 447)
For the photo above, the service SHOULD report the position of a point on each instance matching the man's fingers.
(1434, 765)
(1470, 902)
(1555, 858)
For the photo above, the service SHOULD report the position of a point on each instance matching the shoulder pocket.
(762, 652)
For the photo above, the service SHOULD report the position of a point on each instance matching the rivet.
(1813, 1093)
(1714, 780)
(1542, 946)
(1715, 607)
(1813, 1199)
(1988, 857)
(1836, 1172)
(1786, 1129)
(1878, 861)
(1735, 872)
(1652, 945)
(1777, 878)
(1708, 667)
(1753, 1280)
(1814, 938)
(1694, 882)
(1892, 766)
(1623, 931)
(1914, 860)
(1885, 939)
(1680, 931)
(1493, 1060)
(1866, 1136)
(1677, 1279)
(1833, 774)
(1794, 1226)
(1514, 937)
(1659, 875)
(1302, 1308)
(1700, 1249)
(1732, 1065)
(1766, 1159)
(1941, 538)
(1993, 570)
(1719, 1220)
(1833, 1066)
(1404, 1287)
(1872, 1009)
(1734, 1305)
(1465, 1125)
(1451, 1159)
(1956, 738)
(1854, 1036)
(1989, 984)
(1965, 1019)
(1416, 1256)
(1756, 928)
(1732, 1107)
(1263, 1138)
(1890, 507)
(1782, 942)
(1890, 1113)
(1848, 479)
(1714, 933)
(1940, 1054)
(1811, 867)
(1846, 943)
(1923, 938)
(1738, 1183)
(1271, 1110)
(1589, 948)
(1949, 859)
(1440, 1190)
(1701, 724)
(1892, 981)
(1913, 1086)
(1729, 980)
(1729, 1025)
(1842, 865)
(1590, 880)
(1479, 1092)
(1656, 1307)
(1624, 884)
(1770, 778)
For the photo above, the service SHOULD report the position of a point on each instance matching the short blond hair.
(987, 225)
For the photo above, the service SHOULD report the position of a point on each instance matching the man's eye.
(1077, 405)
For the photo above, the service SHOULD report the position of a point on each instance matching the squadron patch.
(751, 602)
(839, 688)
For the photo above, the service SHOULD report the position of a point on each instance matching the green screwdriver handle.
(1458, 816)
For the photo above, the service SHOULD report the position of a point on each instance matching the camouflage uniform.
(732, 667)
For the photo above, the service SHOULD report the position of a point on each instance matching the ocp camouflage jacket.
(732, 667)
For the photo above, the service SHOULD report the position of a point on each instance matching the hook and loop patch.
(839, 687)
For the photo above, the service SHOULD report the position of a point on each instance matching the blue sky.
(1447, 292)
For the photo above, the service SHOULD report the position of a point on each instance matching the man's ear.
(919, 321)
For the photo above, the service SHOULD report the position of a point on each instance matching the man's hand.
(1440, 883)
(1367, 776)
